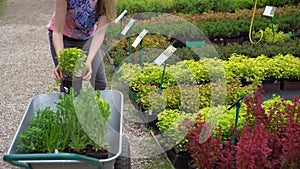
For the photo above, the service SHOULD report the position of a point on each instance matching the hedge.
(194, 6)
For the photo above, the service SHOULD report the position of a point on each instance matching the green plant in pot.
(71, 61)
(77, 126)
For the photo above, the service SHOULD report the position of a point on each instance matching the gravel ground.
(26, 67)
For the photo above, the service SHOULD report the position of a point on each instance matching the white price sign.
(128, 26)
(139, 38)
(120, 16)
(269, 11)
(163, 57)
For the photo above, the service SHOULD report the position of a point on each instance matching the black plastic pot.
(291, 84)
(271, 85)
(181, 160)
(75, 83)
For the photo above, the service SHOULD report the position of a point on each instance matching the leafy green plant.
(169, 123)
(223, 120)
(44, 133)
(241, 13)
(242, 67)
(66, 129)
(72, 62)
(272, 35)
(253, 51)
(92, 113)
(195, 6)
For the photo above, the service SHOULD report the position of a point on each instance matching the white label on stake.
(139, 38)
(120, 16)
(128, 26)
(269, 11)
(165, 55)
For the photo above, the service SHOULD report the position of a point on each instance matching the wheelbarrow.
(118, 147)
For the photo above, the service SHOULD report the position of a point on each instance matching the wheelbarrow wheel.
(124, 160)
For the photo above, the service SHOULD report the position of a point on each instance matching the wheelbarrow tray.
(68, 160)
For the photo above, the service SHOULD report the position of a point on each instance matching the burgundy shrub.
(270, 139)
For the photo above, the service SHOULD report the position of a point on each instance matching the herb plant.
(44, 134)
(76, 125)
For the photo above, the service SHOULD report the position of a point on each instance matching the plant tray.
(69, 160)
(291, 85)
(272, 86)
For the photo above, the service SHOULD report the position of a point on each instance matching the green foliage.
(269, 50)
(225, 119)
(44, 134)
(72, 61)
(151, 75)
(240, 27)
(127, 71)
(239, 66)
(92, 113)
(169, 123)
(272, 36)
(67, 129)
(287, 66)
(195, 6)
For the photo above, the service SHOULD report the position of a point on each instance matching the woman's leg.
(98, 78)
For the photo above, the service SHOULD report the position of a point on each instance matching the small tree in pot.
(71, 61)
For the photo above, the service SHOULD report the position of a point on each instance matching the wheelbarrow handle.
(16, 159)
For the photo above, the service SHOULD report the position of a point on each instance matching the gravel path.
(26, 70)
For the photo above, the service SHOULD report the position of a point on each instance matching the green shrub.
(195, 6)
(225, 119)
(250, 50)
(169, 123)
(272, 36)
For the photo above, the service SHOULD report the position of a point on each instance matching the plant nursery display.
(269, 138)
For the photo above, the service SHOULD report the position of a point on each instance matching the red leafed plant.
(270, 139)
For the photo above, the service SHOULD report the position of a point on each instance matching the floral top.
(81, 18)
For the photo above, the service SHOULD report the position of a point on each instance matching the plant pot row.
(277, 85)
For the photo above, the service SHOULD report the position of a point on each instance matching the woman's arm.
(97, 41)
(59, 24)
(60, 18)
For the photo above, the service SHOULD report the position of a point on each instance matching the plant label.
(128, 27)
(163, 57)
(120, 16)
(269, 11)
(139, 38)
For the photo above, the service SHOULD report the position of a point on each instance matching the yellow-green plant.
(272, 35)
(72, 62)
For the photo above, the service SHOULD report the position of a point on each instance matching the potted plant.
(77, 126)
(173, 138)
(71, 61)
(269, 138)
(290, 71)
(63, 131)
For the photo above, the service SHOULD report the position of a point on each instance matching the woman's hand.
(58, 74)
(88, 73)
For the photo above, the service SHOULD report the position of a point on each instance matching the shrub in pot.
(173, 138)
(71, 61)
(268, 139)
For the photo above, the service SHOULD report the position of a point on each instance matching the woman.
(73, 25)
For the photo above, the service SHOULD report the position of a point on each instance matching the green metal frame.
(16, 159)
